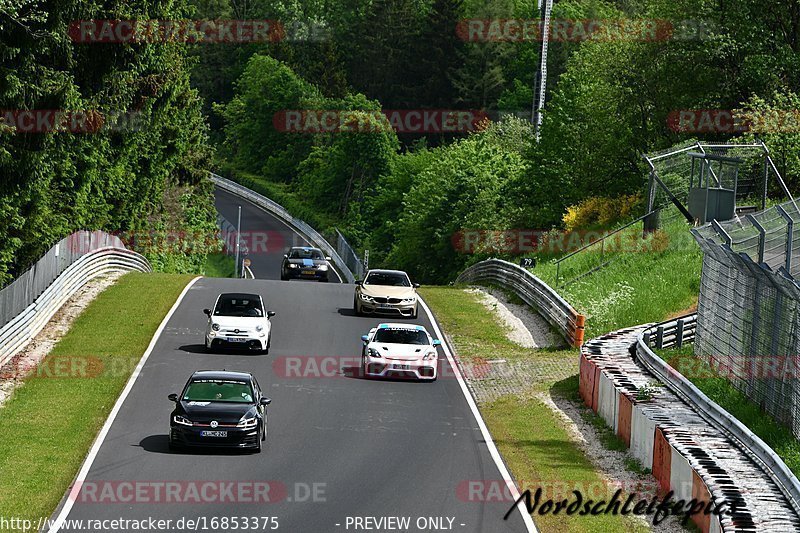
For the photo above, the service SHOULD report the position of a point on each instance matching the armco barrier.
(309, 233)
(21, 329)
(533, 291)
(693, 447)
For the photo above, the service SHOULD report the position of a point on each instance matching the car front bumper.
(393, 368)
(297, 273)
(398, 309)
(192, 436)
(241, 342)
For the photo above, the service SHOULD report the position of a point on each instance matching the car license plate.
(308, 272)
(236, 339)
(401, 367)
(214, 434)
(384, 306)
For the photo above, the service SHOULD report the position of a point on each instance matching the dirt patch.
(13, 373)
(524, 326)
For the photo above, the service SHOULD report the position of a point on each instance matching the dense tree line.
(610, 99)
(137, 167)
(402, 195)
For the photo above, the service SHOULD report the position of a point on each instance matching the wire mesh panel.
(747, 317)
(744, 169)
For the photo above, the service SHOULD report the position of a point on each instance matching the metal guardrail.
(15, 334)
(712, 412)
(672, 334)
(349, 255)
(309, 233)
(533, 291)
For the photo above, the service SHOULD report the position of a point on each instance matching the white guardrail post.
(16, 333)
(309, 233)
(711, 411)
(534, 292)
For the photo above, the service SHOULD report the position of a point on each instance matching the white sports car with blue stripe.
(304, 262)
(399, 350)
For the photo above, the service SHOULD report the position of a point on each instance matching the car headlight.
(409, 300)
(373, 353)
(323, 267)
(294, 265)
(366, 297)
(215, 326)
(259, 328)
(247, 423)
(428, 356)
(182, 420)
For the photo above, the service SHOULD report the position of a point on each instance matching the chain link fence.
(672, 170)
(748, 324)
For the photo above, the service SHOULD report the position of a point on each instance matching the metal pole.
(538, 103)
(789, 236)
(762, 236)
(722, 233)
(238, 235)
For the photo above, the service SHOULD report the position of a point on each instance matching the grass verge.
(50, 422)
(719, 389)
(648, 285)
(532, 439)
(219, 266)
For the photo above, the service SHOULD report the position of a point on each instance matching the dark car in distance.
(219, 408)
(305, 262)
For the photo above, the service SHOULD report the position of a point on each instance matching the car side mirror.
(359, 282)
(437, 342)
(415, 285)
(270, 314)
(207, 311)
(364, 338)
(328, 258)
(173, 397)
(265, 401)
(285, 256)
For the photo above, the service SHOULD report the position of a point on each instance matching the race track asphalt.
(368, 448)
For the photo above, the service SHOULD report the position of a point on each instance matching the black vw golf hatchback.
(219, 408)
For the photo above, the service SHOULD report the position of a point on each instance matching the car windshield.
(401, 336)
(206, 390)
(391, 279)
(238, 306)
(305, 253)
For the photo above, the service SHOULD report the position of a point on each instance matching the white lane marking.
(487, 437)
(87, 464)
(282, 222)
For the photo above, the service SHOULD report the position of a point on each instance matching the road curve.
(371, 448)
(342, 454)
(264, 236)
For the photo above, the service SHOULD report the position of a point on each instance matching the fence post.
(789, 236)
(679, 333)
(660, 337)
(721, 232)
(762, 237)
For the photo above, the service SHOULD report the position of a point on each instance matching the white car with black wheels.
(400, 350)
(239, 321)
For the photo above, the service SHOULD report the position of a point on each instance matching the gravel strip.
(13, 373)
